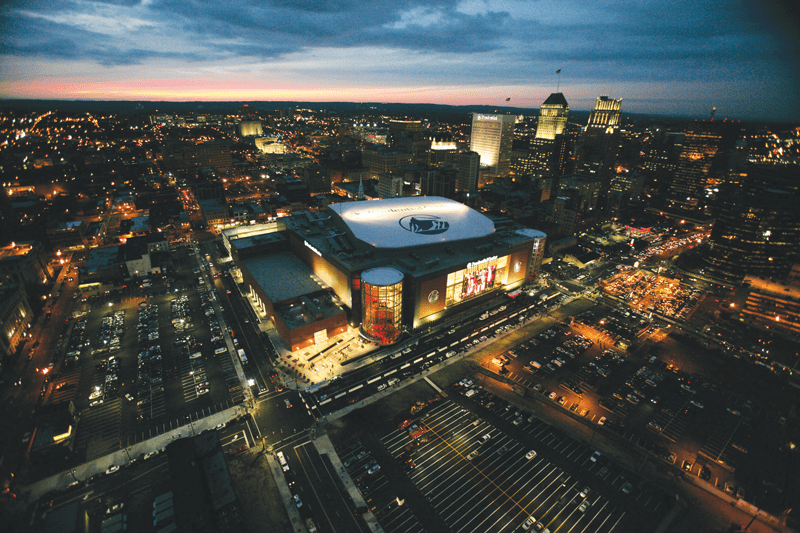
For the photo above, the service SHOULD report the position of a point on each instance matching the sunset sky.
(674, 57)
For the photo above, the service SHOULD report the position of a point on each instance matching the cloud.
(380, 43)
(219, 29)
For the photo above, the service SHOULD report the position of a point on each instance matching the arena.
(391, 266)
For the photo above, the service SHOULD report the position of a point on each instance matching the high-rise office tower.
(597, 148)
(468, 166)
(552, 117)
(491, 137)
(756, 232)
(702, 164)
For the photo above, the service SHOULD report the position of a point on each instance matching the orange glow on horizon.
(188, 89)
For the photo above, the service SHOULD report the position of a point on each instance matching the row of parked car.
(147, 329)
(108, 386)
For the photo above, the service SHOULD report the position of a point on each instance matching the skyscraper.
(491, 137)
(552, 117)
(756, 232)
(598, 145)
(702, 164)
(467, 170)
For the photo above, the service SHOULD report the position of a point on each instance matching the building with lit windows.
(270, 145)
(492, 137)
(773, 306)
(598, 145)
(393, 266)
(382, 161)
(755, 234)
(553, 117)
(701, 166)
(15, 316)
(25, 262)
(250, 128)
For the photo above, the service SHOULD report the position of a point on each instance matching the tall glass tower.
(491, 137)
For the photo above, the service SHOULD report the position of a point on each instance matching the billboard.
(476, 282)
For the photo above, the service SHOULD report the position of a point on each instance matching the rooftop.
(101, 258)
(258, 240)
(282, 276)
(19, 249)
(413, 221)
(556, 99)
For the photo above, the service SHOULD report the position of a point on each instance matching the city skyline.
(665, 58)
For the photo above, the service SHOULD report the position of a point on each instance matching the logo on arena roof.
(424, 224)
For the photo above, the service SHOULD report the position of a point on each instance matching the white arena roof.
(412, 221)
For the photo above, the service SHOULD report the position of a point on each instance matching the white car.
(526, 525)
(530, 455)
(595, 456)
(602, 421)
(112, 469)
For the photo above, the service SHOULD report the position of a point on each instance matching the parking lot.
(479, 475)
(681, 418)
(143, 359)
(653, 293)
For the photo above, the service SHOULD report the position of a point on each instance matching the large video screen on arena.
(477, 282)
(477, 278)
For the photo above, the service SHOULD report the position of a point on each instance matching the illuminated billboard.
(476, 282)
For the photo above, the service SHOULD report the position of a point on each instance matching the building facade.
(598, 145)
(492, 137)
(755, 234)
(701, 166)
(15, 316)
(553, 117)
(449, 257)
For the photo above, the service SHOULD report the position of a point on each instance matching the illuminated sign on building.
(476, 282)
(308, 245)
(482, 261)
(488, 117)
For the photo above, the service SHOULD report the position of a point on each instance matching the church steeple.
(361, 195)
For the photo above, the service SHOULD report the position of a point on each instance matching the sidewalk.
(123, 457)
(286, 495)
(324, 446)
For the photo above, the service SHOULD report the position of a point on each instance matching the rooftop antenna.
(713, 110)
(558, 86)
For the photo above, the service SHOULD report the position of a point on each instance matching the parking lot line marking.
(615, 523)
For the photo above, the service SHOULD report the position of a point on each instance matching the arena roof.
(413, 221)
(282, 276)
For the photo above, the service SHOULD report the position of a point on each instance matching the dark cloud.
(725, 44)
(267, 29)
